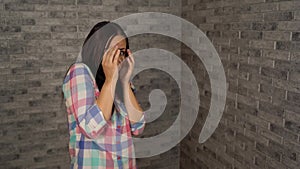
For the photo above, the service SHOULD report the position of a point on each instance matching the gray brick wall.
(39, 40)
(258, 43)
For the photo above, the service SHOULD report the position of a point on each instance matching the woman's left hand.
(126, 68)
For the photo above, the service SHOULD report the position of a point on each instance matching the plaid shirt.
(95, 142)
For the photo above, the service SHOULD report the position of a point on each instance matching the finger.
(113, 53)
(116, 57)
(130, 56)
(106, 54)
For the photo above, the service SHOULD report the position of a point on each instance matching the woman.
(103, 113)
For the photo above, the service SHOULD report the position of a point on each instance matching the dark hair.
(94, 47)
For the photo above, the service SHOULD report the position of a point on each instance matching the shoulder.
(78, 67)
(78, 70)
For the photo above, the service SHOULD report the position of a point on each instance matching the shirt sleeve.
(138, 127)
(88, 115)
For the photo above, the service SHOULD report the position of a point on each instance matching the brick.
(260, 160)
(289, 26)
(272, 91)
(62, 2)
(213, 19)
(138, 2)
(224, 11)
(291, 145)
(270, 152)
(37, 29)
(251, 35)
(18, 7)
(293, 97)
(263, 62)
(212, 34)
(272, 109)
(34, 14)
(275, 35)
(89, 2)
(239, 42)
(287, 65)
(292, 126)
(283, 45)
(252, 87)
(262, 44)
(295, 46)
(34, 1)
(283, 132)
(10, 28)
(290, 86)
(59, 28)
(222, 26)
(253, 69)
(64, 35)
(230, 19)
(41, 36)
(252, 2)
(296, 36)
(21, 21)
(228, 49)
(274, 73)
(272, 136)
(297, 15)
(230, 34)
(241, 26)
(43, 7)
(264, 7)
(248, 105)
(264, 26)
(14, 49)
(62, 14)
(160, 3)
(250, 52)
(289, 5)
(251, 17)
(244, 9)
(280, 16)
(294, 76)
(295, 56)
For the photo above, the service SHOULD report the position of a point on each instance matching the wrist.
(125, 82)
(110, 81)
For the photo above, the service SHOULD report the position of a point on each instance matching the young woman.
(103, 112)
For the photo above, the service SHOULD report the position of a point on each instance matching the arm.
(91, 116)
(135, 112)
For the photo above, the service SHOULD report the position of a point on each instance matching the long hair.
(94, 46)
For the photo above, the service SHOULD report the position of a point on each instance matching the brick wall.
(258, 43)
(39, 40)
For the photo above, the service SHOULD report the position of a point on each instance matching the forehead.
(118, 39)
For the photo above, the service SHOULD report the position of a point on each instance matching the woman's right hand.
(110, 64)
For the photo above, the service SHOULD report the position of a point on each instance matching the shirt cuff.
(139, 124)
